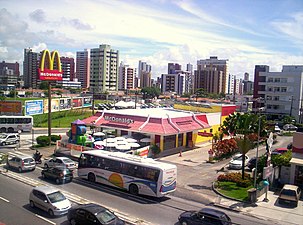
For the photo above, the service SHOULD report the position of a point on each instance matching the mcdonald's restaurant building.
(167, 128)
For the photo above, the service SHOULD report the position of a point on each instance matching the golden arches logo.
(50, 74)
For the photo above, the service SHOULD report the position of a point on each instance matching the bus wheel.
(3, 130)
(91, 177)
(10, 130)
(133, 189)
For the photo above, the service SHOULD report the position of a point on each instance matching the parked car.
(277, 129)
(290, 194)
(7, 139)
(92, 214)
(206, 216)
(279, 151)
(236, 162)
(22, 163)
(62, 162)
(50, 200)
(290, 127)
(60, 175)
(252, 163)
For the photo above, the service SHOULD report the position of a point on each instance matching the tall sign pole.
(48, 72)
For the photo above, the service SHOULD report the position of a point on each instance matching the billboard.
(45, 105)
(33, 107)
(11, 108)
(87, 101)
(52, 60)
(77, 102)
(55, 105)
(65, 104)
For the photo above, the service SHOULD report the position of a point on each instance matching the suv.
(22, 163)
(290, 194)
(290, 127)
(6, 139)
(50, 200)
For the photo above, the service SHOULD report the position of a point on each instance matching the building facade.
(220, 65)
(11, 66)
(282, 91)
(144, 74)
(258, 98)
(83, 68)
(127, 77)
(30, 68)
(104, 69)
(173, 83)
(208, 78)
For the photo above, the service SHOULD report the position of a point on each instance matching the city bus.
(137, 175)
(12, 124)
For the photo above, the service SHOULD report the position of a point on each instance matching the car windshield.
(238, 157)
(106, 216)
(288, 192)
(56, 197)
(67, 161)
(28, 160)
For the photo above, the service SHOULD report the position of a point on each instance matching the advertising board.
(11, 108)
(52, 60)
(33, 107)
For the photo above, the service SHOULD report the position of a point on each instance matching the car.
(279, 151)
(289, 194)
(60, 175)
(92, 213)
(22, 163)
(7, 139)
(206, 216)
(290, 127)
(277, 129)
(289, 146)
(50, 200)
(236, 162)
(60, 162)
(251, 164)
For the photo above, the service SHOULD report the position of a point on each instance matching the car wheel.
(91, 177)
(46, 165)
(57, 181)
(51, 212)
(73, 222)
(32, 204)
(19, 169)
(183, 222)
(4, 143)
(133, 189)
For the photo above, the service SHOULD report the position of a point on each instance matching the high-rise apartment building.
(247, 85)
(83, 68)
(230, 80)
(220, 65)
(127, 77)
(208, 78)
(259, 97)
(11, 66)
(173, 83)
(68, 67)
(144, 74)
(30, 68)
(104, 69)
(173, 67)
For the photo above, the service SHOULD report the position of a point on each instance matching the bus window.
(2, 120)
(10, 121)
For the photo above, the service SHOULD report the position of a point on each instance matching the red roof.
(162, 126)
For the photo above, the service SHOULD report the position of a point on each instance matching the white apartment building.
(104, 69)
(283, 91)
(127, 77)
(173, 83)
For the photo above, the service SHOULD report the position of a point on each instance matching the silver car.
(61, 162)
(50, 200)
(22, 163)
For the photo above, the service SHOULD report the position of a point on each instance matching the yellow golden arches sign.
(51, 59)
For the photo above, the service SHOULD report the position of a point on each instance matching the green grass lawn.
(61, 119)
(230, 189)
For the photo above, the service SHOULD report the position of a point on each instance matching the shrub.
(43, 140)
(236, 178)
(155, 149)
(55, 138)
(225, 148)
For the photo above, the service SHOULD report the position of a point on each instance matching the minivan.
(22, 163)
(50, 200)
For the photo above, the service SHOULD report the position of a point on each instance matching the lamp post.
(257, 154)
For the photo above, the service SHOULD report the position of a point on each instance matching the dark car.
(92, 214)
(252, 163)
(205, 216)
(60, 175)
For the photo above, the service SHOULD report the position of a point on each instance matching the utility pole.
(291, 103)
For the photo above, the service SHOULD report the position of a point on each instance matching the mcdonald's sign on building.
(50, 66)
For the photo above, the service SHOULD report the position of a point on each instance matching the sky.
(245, 32)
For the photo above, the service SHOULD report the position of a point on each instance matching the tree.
(12, 93)
(200, 92)
(43, 85)
(241, 126)
(150, 92)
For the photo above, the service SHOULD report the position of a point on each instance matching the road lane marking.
(41, 217)
(4, 199)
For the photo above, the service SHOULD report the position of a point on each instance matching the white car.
(60, 162)
(50, 200)
(277, 129)
(236, 162)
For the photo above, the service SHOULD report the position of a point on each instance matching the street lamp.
(257, 154)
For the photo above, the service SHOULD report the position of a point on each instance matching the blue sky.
(245, 32)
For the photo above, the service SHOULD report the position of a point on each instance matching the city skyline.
(159, 31)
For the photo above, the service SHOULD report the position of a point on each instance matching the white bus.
(12, 124)
(135, 174)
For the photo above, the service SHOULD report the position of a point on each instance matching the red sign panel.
(51, 60)
(205, 134)
(50, 75)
